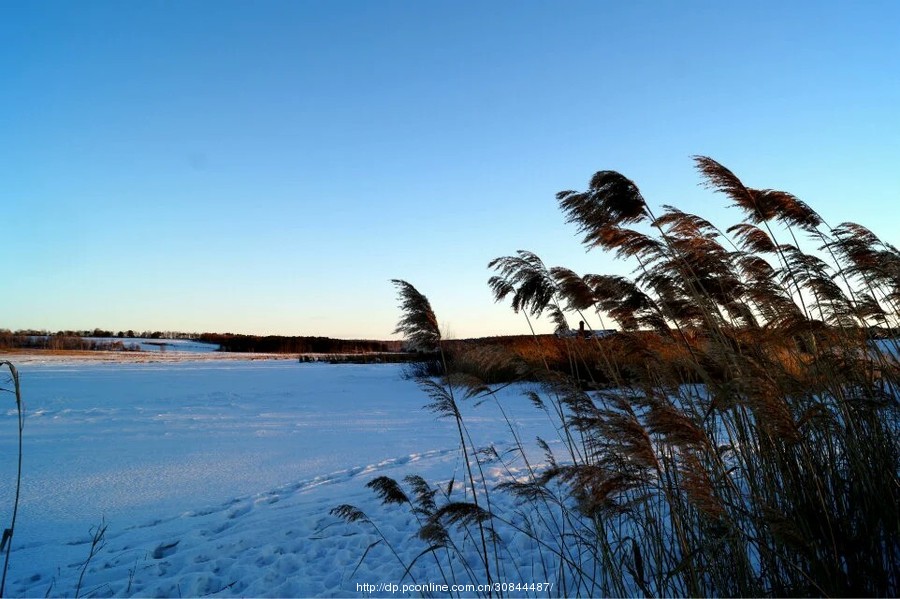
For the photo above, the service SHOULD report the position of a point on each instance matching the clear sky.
(266, 167)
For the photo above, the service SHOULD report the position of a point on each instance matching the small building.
(583, 333)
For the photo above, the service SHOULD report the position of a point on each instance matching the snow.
(216, 477)
(70, 358)
(161, 345)
(151, 345)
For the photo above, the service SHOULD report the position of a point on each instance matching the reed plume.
(418, 323)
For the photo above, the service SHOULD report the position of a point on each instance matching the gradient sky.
(268, 167)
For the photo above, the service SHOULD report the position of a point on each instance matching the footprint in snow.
(164, 550)
(239, 511)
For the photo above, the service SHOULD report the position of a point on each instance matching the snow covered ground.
(161, 345)
(216, 477)
(25, 358)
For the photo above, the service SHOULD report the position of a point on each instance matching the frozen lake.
(217, 457)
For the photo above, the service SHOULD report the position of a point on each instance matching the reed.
(6, 542)
(738, 436)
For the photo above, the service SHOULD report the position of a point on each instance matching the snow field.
(217, 478)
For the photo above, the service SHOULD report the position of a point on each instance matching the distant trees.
(61, 340)
(297, 345)
(107, 340)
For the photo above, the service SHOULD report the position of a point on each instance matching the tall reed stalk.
(6, 542)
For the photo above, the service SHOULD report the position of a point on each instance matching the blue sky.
(267, 167)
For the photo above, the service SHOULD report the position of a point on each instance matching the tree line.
(297, 345)
(99, 339)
